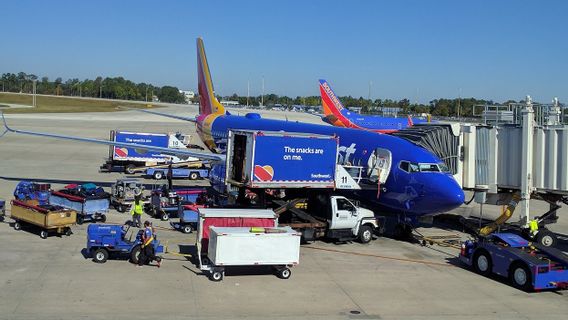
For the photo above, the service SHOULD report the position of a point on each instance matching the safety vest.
(150, 238)
(533, 226)
(137, 208)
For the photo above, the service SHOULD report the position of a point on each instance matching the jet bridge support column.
(527, 159)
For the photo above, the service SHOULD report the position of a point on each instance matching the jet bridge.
(528, 155)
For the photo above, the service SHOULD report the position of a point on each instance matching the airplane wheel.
(546, 238)
(482, 263)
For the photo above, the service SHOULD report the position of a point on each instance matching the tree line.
(438, 107)
(120, 88)
(109, 88)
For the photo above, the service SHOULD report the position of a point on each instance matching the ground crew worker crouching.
(147, 253)
(136, 211)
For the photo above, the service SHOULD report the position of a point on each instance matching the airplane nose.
(443, 196)
(458, 198)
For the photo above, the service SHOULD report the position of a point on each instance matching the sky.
(420, 50)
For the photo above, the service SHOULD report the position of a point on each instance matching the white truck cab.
(349, 221)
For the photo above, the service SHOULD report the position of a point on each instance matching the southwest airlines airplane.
(418, 183)
(337, 115)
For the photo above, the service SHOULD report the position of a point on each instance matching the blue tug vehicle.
(104, 240)
(528, 266)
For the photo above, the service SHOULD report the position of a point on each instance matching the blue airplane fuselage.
(412, 193)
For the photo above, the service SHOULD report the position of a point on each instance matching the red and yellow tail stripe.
(208, 104)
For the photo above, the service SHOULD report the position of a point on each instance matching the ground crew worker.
(136, 211)
(147, 253)
(533, 227)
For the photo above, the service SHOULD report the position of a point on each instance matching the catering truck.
(298, 176)
(262, 159)
(128, 159)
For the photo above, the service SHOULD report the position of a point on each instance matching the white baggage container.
(230, 246)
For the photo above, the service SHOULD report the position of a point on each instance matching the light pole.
(146, 93)
(34, 92)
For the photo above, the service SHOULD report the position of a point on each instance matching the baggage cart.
(241, 246)
(90, 203)
(229, 217)
(47, 217)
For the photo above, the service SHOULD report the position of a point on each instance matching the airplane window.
(428, 167)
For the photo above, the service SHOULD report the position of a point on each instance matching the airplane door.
(379, 165)
(343, 215)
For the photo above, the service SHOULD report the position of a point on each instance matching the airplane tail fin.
(208, 104)
(330, 102)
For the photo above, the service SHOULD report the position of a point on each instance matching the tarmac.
(386, 279)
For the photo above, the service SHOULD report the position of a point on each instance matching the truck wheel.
(158, 175)
(365, 234)
(482, 263)
(17, 226)
(135, 254)
(520, 276)
(120, 208)
(216, 276)
(130, 169)
(80, 219)
(68, 232)
(103, 218)
(43, 234)
(165, 217)
(186, 229)
(100, 255)
(284, 273)
(194, 176)
(546, 238)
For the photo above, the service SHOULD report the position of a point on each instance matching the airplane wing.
(163, 114)
(183, 152)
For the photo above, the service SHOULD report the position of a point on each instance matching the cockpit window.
(443, 167)
(411, 167)
(408, 166)
(428, 167)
